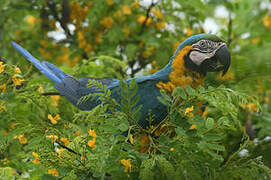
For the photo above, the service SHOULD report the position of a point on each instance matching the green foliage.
(110, 39)
(129, 100)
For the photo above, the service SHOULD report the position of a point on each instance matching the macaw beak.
(223, 57)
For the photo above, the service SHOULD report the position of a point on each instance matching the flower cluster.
(53, 138)
(36, 156)
(53, 172)
(267, 21)
(54, 119)
(127, 165)
(21, 138)
(189, 110)
(91, 143)
(65, 141)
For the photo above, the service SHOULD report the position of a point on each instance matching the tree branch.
(147, 17)
(63, 21)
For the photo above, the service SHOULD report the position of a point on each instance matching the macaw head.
(208, 53)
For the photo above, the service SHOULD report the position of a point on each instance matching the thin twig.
(147, 17)
(69, 149)
(50, 93)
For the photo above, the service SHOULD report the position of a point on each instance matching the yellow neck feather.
(180, 76)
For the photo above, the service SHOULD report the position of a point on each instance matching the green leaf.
(180, 131)
(209, 123)
(180, 92)
(123, 127)
(7, 173)
(190, 91)
(216, 147)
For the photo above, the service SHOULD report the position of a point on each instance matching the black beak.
(224, 59)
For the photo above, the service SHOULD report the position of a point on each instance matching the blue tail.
(67, 86)
(49, 70)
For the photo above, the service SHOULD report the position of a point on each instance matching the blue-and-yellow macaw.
(193, 58)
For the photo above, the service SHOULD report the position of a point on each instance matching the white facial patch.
(198, 57)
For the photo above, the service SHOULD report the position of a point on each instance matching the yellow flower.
(160, 25)
(158, 14)
(98, 39)
(226, 77)
(5, 161)
(65, 141)
(126, 10)
(74, 61)
(77, 133)
(91, 143)
(146, 54)
(92, 133)
(141, 20)
(13, 125)
(193, 127)
(252, 107)
(5, 132)
(127, 165)
(117, 14)
(136, 4)
(109, 2)
(31, 20)
(21, 138)
(106, 22)
(266, 100)
(126, 31)
(171, 149)
(188, 31)
(131, 139)
(17, 70)
(88, 48)
(2, 67)
(80, 36)
(55, 100)
(267, 21)
(255, 40)
(3, 87)
(35, 155)
(44, 43)
(53, 172)
(36, 160)
(44, 53)
(53, 138)
(53, 119)
(40, 89)
(188, 110)
(16, 80)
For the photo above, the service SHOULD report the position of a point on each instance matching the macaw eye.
(202, 44)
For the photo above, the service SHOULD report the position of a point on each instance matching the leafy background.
(45, 137)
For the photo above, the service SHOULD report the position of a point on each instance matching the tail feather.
(67, 86)
(43, 68)
(58, 72)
